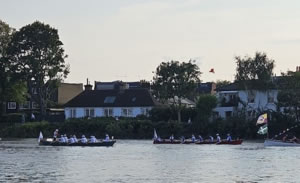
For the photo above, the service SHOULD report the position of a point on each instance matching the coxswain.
(83, 139)
(193, 138)
(218, 138)
(228, 138)
(55, 134)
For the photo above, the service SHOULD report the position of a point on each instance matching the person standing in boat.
(228, 138)
(55, 135)
(218, 138)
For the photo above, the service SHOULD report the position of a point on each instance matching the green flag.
(263, 130)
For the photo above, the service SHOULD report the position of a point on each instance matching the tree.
(289, 93)
(175, 81)
(11, 84)
(254, 72)
(221, 83)
(36, 51)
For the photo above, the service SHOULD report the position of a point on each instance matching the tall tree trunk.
(179, 115)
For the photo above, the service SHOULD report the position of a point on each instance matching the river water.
(137, 161)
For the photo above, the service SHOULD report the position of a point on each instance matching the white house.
(110, 103)
(232, 99)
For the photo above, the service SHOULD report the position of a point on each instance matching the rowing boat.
(270, 142)
(50, 142)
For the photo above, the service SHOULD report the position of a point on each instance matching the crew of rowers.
(200, 138)
(73, 138)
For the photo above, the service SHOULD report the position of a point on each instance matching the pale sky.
(127, 39)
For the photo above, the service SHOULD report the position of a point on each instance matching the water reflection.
(141, 161)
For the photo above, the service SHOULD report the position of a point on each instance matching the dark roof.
(205, 87)
(229, 87)
(113, 98)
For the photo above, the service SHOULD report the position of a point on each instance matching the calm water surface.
(137, 161)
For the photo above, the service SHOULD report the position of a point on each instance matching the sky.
(108, 40)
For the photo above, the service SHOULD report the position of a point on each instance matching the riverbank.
(122, 129)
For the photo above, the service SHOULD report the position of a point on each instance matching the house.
(232, 99)
(206, 88)
(108, 101)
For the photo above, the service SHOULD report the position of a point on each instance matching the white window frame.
(127, 112)
(34, 105)
(89, 112)
(12, 105)
(108, 112)
(72, 112)
(145, 111)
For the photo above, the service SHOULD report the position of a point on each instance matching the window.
(72, 113)
(11, 105)
(127, 112)
(25, 105)
(35, 105)
(108, 112)
(251, 96)
(89, 112)
(270, 97)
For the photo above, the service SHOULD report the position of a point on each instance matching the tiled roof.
(113, 98)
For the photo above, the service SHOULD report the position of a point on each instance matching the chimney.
(88, 86)
(298, 69)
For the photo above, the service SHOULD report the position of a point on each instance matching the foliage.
(11, 85)
(175, 81)
(221, 83)
(289, 93)
(36, 51)
(254, 72)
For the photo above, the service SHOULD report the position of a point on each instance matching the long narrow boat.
(233, 142)
(270, 142)
(96, 144)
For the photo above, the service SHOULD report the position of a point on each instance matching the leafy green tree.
(36, 51)
(254, 72)
(11, 85)
(205, 105)
(174, 81)
(289, 93)
(221, 83)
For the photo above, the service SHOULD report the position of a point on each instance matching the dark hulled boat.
(233, 142)
(96, 144)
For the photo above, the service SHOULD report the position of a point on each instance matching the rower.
(193, 138)
(218, 138)
(66, 138)
(75, 139)
(211, 138)
(93, 139)
(106, 137)
(228, 138)
(62, 139)
(171, 137)
(83, 139)
(55, 134)
(200, 138)
(71, 139)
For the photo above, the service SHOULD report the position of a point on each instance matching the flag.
(262, 119)
(212, 70)
(263, 129)
(155, 134)
(40, 137)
